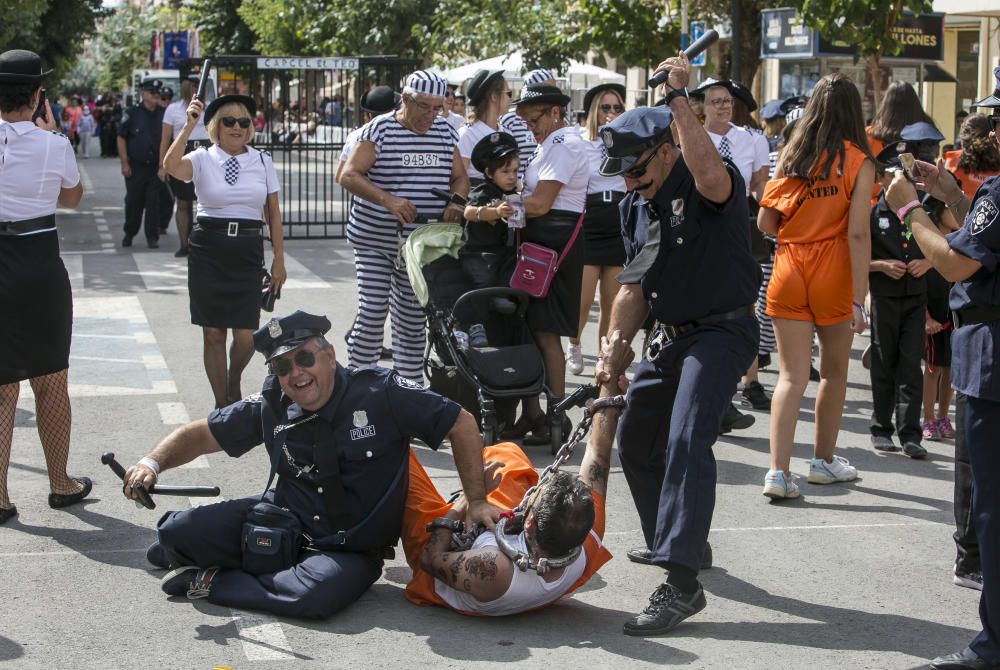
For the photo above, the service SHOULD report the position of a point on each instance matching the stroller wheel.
(560, 431)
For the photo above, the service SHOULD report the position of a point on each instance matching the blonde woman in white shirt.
(174, 117)
(237, 193)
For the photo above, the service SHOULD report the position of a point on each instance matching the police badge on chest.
(677, 212)
(361, 427)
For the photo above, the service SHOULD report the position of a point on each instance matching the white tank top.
(527, 590)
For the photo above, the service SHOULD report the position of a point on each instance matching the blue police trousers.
(319, 585)
(981, 423)
(666, 433)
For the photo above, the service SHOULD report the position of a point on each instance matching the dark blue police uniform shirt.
(976, 347)
(373, 413)
(141, 129)
(889, 242)
(696, 261)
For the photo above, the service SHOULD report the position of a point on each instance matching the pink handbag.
(537, 265)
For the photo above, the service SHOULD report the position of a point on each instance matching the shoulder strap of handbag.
(569, 244)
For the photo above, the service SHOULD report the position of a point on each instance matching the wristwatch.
(675, 93)
(454, 525)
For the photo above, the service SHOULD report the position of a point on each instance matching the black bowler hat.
(735, 88)
(151, 84)
(992, 100)
(742, 93)
(19, 66)
(279, 336)
(380, 100)
(629, 135)
(493, 147)
(600, 89)
(542, 94)
(480, 85)
(216, 104)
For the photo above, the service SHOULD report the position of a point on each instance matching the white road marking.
(163, 272)
(74, 268)
(262, 637)
(832, 526)
(173, 413)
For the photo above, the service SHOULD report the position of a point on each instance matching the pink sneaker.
(930, 430)
(945, 429)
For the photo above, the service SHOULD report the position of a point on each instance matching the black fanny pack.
(272, 539)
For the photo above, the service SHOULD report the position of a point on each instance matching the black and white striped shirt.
(516, 126)
(407, 165)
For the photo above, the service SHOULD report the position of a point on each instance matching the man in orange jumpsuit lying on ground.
(567, 512)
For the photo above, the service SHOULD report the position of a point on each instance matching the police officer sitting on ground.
(338, 439)
(138, 149)
(688, 265)
(970, 257)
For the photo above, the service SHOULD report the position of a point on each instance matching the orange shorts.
(812, 282)
(517, 475)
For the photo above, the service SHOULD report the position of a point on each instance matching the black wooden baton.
(708, 39)
(108, 458)
(206, 66)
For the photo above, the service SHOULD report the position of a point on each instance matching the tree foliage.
(612, 26)
(124, 46)
(721, 11)
(221, 29)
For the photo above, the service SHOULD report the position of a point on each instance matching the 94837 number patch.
(421, 160)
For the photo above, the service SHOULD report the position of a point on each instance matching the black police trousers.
(142, 193)
(319, 585)
(666, 434)
(966, 544)
(896, 374)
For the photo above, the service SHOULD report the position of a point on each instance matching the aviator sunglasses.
(230, 121)
(283, 366)
(637, 171)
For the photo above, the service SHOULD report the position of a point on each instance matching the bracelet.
(151, 464)
(909, 215)
(479, 213)
(955, 203)
(675, 93)
(905, 209)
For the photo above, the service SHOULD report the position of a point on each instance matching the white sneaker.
(838, 470)
(574, 359)
(777, 485)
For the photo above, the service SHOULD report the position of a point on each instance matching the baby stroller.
(488, 381)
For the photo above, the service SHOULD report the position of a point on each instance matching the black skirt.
(559, 311)
(602, 227)
(36, 307)
(224, 278)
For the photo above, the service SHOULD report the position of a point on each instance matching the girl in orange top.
(900, 107)
(818, 207)
(979, 158)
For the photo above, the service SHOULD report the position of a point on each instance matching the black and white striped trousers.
(767, 342)
(384, 289)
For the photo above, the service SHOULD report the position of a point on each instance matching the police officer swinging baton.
(708, 39)
(108, 458)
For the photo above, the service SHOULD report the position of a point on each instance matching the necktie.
(232, 170)
(725, 148)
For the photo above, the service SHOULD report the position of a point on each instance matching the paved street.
(849, 576)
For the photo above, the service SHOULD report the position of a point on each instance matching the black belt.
(663, 333)
(973, 315)
(17, 228)
(604, 197)
(232, 227)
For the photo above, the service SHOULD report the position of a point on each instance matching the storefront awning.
(935, 74)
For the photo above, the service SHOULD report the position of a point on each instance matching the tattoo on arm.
(598, 474)
(484, 566)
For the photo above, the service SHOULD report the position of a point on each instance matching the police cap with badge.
(631, 134)
(920, 139)
(20, 66)
(279, 336)
(493, 147)
(151, 84)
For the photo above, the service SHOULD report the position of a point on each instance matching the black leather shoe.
(644, 556)
(60, 500)
(157, 557)
(755, 396)
(882, 443)
(181, 253)
(733, 419)
(763, 361)
(188, 581)
(667, 607)
(813, 374)
(153, 244)
(127, 241)
(960, 660)
(7, 513)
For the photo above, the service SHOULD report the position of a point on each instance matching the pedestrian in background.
(138, 150)
(38, 172)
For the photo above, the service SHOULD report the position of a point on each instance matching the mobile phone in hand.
(40, 110)
(907, 161)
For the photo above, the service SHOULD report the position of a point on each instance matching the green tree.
(124, 46)
(748, 40)
(221, 29)
(20, 19)
(866, 24)
(611, 26)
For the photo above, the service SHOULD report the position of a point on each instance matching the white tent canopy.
(580, 75)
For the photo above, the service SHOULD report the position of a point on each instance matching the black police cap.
(794, 102)
(480, 85)
(380, 100)
(279, 336)
(542, 94)
(629, 135)
(771, 110)
(151, 84)
(921, 132)
(217, 104)
(493, 147)
(20, 66)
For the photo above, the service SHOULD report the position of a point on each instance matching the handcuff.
(454, 525)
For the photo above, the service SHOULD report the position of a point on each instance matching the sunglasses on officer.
(304, 358)
(638, 170)
(231, 121)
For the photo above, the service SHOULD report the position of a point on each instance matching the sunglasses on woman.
(230, 121)
(283, 366)
(617, 109)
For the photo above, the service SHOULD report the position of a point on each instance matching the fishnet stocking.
(8, 405)
(54, 417)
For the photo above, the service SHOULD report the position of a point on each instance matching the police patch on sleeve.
(983, 216)
(406, 383)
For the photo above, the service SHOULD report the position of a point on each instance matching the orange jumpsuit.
(811, 280)
(970, 181)
(517, 475)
